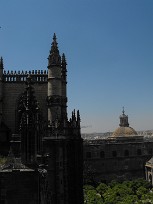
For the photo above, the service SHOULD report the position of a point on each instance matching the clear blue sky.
(109, 49)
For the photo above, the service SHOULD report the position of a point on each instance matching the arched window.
(139, 152)
(102, 154)
(114, 153)
(126, 153)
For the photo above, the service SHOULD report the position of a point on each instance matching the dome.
(124, 131)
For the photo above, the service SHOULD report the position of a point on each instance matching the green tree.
(139, 183)
(92, 197)
(102, 188)
(141, 191)
(117, 193)
(128, 192)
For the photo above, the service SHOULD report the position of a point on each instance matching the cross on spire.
(123, 110)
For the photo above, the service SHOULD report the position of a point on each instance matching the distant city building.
(119, 157)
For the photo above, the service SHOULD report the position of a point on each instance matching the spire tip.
(1, 63)
(123, 110)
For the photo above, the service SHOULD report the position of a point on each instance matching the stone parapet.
(20, 76)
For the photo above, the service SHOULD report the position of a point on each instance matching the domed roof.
(124, 129)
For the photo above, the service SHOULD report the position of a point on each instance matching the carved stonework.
(64, 100)
(54, 56)
(54, 100)
(29, 117)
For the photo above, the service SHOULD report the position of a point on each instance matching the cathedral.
(41, 149)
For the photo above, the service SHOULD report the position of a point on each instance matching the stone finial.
(54, 56)
(78, 119)
(63, 59)
(54, 37)
(1, 63)
(78, 115)
(64, 70)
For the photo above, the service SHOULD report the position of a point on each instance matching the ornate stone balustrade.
(19, 76)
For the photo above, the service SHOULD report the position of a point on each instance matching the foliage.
(137, 191)
(2, 160)
(102, 188)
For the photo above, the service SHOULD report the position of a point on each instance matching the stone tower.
(54, 83)
(57, 99)
(63, 145)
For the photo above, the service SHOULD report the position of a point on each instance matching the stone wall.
(11, 93)
(19, 186)
(106, 161)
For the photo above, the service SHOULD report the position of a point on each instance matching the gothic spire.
(54, 56)
(78, 118)
(78, 115)
(63, 60)
(64, 70)
(1, 63)
(54, 47)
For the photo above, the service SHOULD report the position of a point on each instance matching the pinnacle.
(63, 59)
(54, 56)
(54, 40)
(1, 63)
(54, 37)
(63, 56)
(54, 47)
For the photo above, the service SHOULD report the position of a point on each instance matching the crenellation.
(20, 76)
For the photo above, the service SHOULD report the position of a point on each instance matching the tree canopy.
(137, 191)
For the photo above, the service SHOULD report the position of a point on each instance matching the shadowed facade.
(44, 142)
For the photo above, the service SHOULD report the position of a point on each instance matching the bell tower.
(63, 144)
(54, 97)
